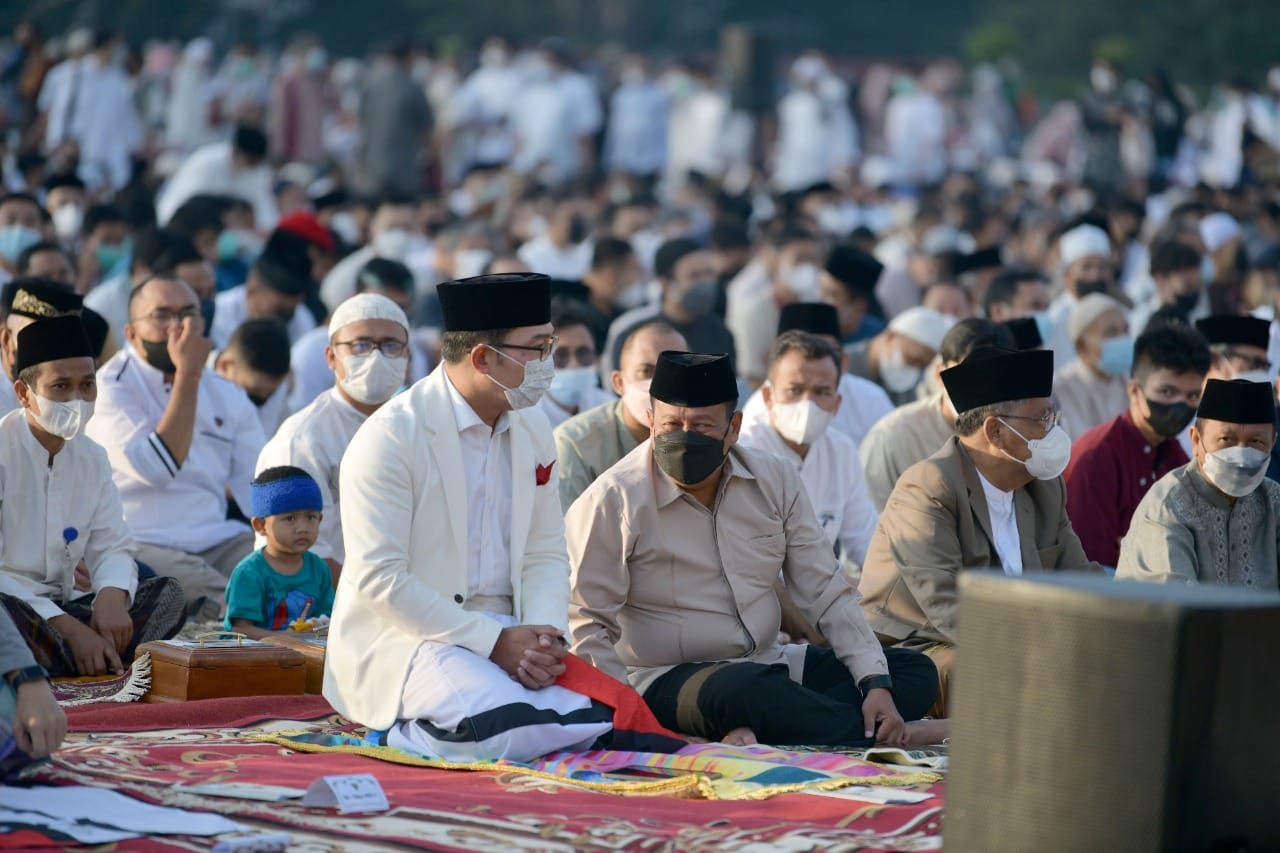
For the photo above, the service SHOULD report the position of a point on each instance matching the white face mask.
(392, 244)
(802, 281)
(1049, 455)
(470, 262)
(65, 420)
(67, 220)
(373, 379)
(538, 375)
(570, 383)
(344, 224)
(1238, 471)
(898, 376)
(635, 396)
(802, 422)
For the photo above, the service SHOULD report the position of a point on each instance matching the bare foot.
(740, 737)
(922, 733)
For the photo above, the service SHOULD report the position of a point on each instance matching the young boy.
(282, 581)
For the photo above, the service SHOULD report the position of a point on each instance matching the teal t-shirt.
(268, 599)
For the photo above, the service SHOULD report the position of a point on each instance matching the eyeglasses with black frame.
(544, 350)
(163, 318)
(390, 347)
(584, 356)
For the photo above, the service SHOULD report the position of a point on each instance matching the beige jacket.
(937, 525)
(659, 580)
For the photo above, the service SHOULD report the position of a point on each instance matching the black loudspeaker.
(746, 66)
(1091, 715)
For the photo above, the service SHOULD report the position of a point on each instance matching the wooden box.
(312, 647)
(213, 668)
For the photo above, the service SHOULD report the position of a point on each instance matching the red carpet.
(440, 809)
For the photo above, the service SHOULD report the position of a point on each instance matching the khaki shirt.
(589, 444)
(910, 433)
(660, 580)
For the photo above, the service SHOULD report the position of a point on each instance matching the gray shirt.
(901, 439)
(589, 444)
(1185, 531)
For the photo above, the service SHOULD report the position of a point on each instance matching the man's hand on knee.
(531, 654)
(878, 709)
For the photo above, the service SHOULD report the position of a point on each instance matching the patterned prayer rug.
(129, 687)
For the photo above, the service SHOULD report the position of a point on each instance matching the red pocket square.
(543, 473)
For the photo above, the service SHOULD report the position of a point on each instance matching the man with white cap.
(1222, 238)
(368, 353)
(1084, 255)
(1091, 390)
(896, 358)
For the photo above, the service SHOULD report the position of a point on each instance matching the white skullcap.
(1089, 309)
(923, 325)
(941, 239)
(808, 69)
(1217, 230)
(366, 306)
(1081, 242)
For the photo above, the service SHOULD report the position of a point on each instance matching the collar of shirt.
(665, 490)
(999, 502)
(151, 377)
(1200, 484)
(466, 417)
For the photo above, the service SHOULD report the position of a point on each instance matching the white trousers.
(461, 707)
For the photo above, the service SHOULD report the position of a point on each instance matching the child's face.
(292, 532)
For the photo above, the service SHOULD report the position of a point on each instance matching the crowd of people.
(555, 353)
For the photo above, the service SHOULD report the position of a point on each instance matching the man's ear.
(331, 358)
(766, 394)
(480, 359)
(991, 431)
(23, 394)
(615, 382)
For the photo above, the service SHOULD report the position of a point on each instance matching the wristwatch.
(19, 677)
(873, 682)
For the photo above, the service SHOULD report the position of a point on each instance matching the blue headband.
(281, 496)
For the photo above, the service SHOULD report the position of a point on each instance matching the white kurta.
(183, 507)
(208, 170)
(41, 501)
(1004, 527)
(804, 135)
(832, 477)
(1087, 399)
(105, 123)
(862, 404)
(314, 440)
(230, 310)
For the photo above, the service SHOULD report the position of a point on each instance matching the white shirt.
(486, 459)
(832, 476)
(230, 309)
(111, 300)
(1060, 340)
(1004, 527)
(636, 141)
(314, 440)
(862, 404)
(105, 123)
(166, 504)
(208, 170)
(41, 501)
(8, 397)
(541, 255)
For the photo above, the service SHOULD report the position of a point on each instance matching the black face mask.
(1086, 287)
(256, 400)
(1169, 419)
(689, 457)
(207, 307)
(1185, 303)
(285, 317)
(158, 355)
(577, 229)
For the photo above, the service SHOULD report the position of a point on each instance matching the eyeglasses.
(1252, 362)
(1048, 420)
(390, 347)
(544, 350)
(163, 318)
(585, 356)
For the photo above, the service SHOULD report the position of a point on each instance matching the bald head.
(640, 352)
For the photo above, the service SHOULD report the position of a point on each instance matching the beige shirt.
(1087, 399)
(587, 445)
(660, 580)
(909, 434)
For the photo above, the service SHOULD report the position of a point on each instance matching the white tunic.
(183, 507)
(832, 476)
(208, 170)
(314, 440)
(1004, 527)
(41, 502)
(231, 309)
(862, 404)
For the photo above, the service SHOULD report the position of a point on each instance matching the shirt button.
(458, 599)
(1142, 481)
(1146, 448)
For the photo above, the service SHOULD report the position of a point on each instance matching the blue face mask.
(15, 239)
(1044, 325)
(109, 257)
(1117, 356)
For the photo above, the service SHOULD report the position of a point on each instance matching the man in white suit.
(450, 615)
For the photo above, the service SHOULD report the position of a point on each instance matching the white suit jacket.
(404, 524)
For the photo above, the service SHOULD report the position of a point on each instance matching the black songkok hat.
(982, 259)
(1237, 402)
(1228, 329)
(38, 298)
(489, 302)
(693, 380)
(816, 318)
(1026, 333)
(96, 328)
(854, 268)
(285, 265)
(993, 375)
(50, 340)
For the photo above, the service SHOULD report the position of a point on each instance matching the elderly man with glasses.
(368, 352)
(180, 438)
(992, 497)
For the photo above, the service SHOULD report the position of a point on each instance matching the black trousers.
(709, 700)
